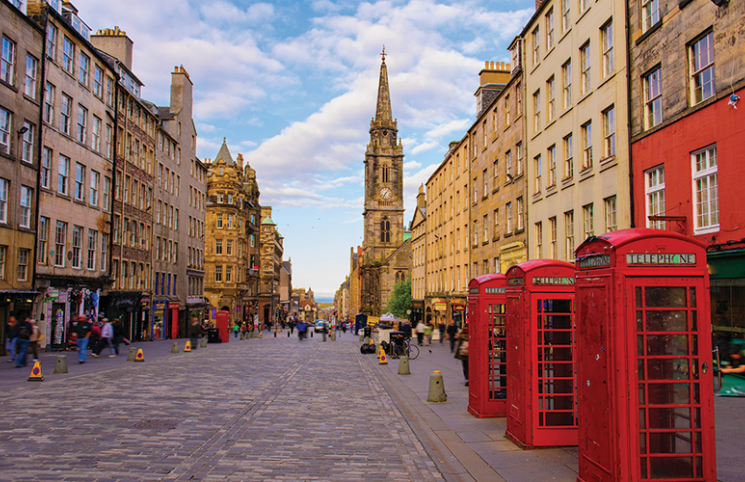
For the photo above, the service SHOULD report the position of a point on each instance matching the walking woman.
(461, 352)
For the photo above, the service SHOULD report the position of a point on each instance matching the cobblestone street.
(254, 410)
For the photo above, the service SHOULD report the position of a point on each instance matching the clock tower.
(384, 180)
(385, 256)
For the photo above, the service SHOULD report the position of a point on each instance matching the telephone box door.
(673, 355)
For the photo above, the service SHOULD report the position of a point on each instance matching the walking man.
(83, 330)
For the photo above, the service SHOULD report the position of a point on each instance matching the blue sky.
(292, 86)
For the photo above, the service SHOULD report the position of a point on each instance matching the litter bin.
(213, 335)
(368, 331)
(397, 339)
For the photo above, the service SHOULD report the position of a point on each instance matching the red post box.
(644, 358)
(542, 400)
(487, 381)
(222, 323)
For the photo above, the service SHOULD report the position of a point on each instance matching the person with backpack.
(23, 332)
(12, 338)
(83, 330)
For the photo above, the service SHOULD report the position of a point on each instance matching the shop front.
(58, 306)
(159, 319)
(18, 303)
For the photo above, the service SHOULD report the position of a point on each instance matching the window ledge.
(586, 174)
(551, 190)
(567, 182)
(536, 135)
(566, 111)
(649, 32)
(607, 79)
(519, 231)
(484, 243)
(495, 239)
(553, 121)
(582, 15)
(584, 97)
(565, 34)
(537, 196)
(553, 47)
(608, 162)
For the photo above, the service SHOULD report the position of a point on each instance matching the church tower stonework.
(384, 203)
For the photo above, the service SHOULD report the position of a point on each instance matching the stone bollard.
(362, 336)
(203, 343)
(132, 354)
(242, 337)
(403, 365)
(174, 347)
(61, 365)
(436, 392)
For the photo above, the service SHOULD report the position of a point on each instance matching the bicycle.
(411, 351)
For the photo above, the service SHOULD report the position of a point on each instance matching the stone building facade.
(21, 92)
(271, 252)
(576, 123)
(418, 228)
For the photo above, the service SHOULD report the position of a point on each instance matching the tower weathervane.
(383, 53)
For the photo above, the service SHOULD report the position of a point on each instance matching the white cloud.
(424, 147)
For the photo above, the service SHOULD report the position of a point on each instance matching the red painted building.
(688, 136)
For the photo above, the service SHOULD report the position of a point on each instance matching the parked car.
(320, 326)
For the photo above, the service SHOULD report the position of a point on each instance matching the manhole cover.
(156, 425)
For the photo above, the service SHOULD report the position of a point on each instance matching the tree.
(400, 300)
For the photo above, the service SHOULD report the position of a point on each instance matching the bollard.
(436, 392)
(403, 365)
(140, 357)
(187, 347)
(132, 354)
(174, 347)
(242, 337)
(362, 336)
(203, 343)
(288, 334)
(383, 358)
(61, 365)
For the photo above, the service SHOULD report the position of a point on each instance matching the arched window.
(385, 173)
(385, 231)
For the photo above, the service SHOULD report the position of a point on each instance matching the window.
(569, 234)
(218, 218)
(566, 79)
(49, 91)
(520, 211)
(475, 232)
(485, 180)
(84, 67)
(584, 5)
(229, 247)
(486, 228)
(566, 16)
(586, 146)
(568, 157)
(230, 219)
(550, 100)
(42, 240)
(218, 246)
(4, 192)
(32, 70)
(23, 256)
(549, 29)
(702, 68)
(46, 167)
(519, 99)
(519, 150)
(65, 114)
(536, 46)
(552, 237)
(653, 98)
(6, 123)
(82, 124)
(587, 220)
(253, 240)
(507, 111)
(60, 239)
(610, 214)
(539, 240)
(92, 242)
(96, 142)
(52, 41)
(94, 186)
(98, 81)
(705, 190)
(3, 254)
(63, 173)
(79, 182)
(228, 274)
(68, 54)
(551, 165)
(609, 132)
(606, 36)
(537, 170)
(7, 61)
(496, 223)
(27, 195)
(109, 91)
(104, 251)
(508, 210)
(385, 231)
(106, 192)
(654, 190)
(650, 14)
(536, 111)
(584, 57)
(109, 141)
(218, 274)
(27, 148)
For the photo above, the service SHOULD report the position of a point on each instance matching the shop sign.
(173, 305)
(553, 280)
(459, 307)
(159, 308)
(63, 296)
(653, 259)
(54, 294)
(441, 306)
(595, 261)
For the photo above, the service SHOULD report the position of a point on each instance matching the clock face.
(386, 193)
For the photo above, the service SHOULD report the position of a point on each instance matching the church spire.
(383, 115)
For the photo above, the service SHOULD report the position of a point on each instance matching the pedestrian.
(235, 330)
(420, 327)
(95, 341)
(302, 329)
(83, 330)
(107, 335)
(441, 327)
(461, 353)
(36, 337)
(118, 335)
(406, 330)
(428, 331)
(12, 338)
(23, 333)
(452, 331)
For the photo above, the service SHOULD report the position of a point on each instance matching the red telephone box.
(542, 400)
(644, 344)
(221, 323)
(487, 388)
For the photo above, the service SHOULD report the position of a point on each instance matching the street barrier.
(436, 393)
(403, 365)
(36, 375)
(60, 366)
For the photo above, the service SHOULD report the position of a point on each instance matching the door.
(496, 351)
(674, 401)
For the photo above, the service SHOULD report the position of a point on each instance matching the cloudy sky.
(292, 86)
